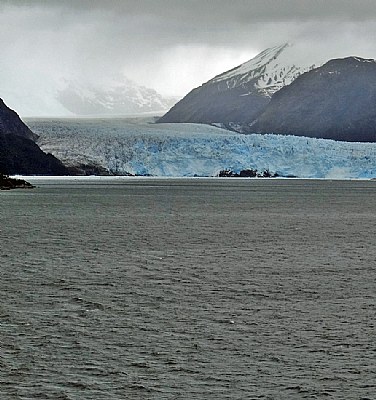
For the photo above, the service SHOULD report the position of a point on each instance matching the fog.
(169, 45)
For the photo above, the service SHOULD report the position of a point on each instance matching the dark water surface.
(188, 289)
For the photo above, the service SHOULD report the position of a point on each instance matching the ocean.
(145, 288)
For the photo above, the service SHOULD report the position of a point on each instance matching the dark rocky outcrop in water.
(247, 173)
(7, 183)
(336, 101)
(19, 154)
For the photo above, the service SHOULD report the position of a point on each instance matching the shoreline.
(84, 178)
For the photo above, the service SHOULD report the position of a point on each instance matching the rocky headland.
(7, 183)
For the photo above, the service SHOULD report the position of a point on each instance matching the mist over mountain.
(114, 96)
(75, 95)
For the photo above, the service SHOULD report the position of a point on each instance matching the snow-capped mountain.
(268, 72)
(115, 96)
(335, 101)
(121, 146)
(240, 94)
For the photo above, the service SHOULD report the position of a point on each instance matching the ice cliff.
(125, 146)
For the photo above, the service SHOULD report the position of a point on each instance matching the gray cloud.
(240, 11)
(171, 45)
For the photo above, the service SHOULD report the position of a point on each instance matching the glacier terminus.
(139, 147)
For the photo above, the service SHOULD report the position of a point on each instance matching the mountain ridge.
(240, 94)
(335, 101)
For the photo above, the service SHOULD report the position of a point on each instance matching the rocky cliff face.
(19, 154)
(336, 101)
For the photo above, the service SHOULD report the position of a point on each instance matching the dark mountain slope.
(209, 104)
(336, 101)
(19, 154)
(239, 95)
(22, 156)
(11, 123)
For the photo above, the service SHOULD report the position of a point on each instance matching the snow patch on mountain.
(139, 147)
(272, 69)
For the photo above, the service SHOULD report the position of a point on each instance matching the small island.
(7, 183)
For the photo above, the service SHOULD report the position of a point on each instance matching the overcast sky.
(169, 45)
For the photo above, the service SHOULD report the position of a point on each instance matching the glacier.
(138, 146)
